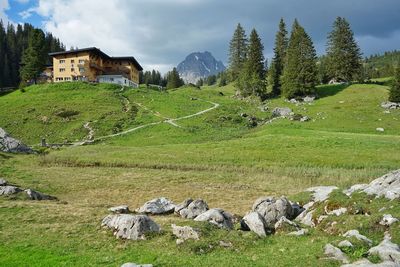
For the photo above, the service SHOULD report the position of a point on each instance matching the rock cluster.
(7, 190)
(12, 145)
(390, 105)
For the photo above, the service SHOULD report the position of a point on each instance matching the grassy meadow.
(217, 156)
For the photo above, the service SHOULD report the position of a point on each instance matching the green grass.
(217, 156)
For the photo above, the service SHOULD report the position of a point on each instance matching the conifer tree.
(278, 61)
(173, 79)
(237, 52)
(343, 53)
(34, 57)
(394, 94)
(300, 71)
(250, 81)
(2, 54)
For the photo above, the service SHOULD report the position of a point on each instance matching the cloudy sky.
(160, 33)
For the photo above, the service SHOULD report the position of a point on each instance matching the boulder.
(183, 205)
(388, 220)
(304, 119)
(12, 145)
(123, 209)
(387, 250)
(133, 227)
(321, 193)
(272, 209)
(380, 129)
(218, 217)
(9, 190)
(337, 212)
(306, 218)
(356, 234)
(35, 195)
(354, 188)
(194, 209)
(299, 232)
(335, 253)
(345, 244)
(3, 182)
(160, 205)
(367, 263)
(185, 232)
(253, 221)
(387, 186)
(390, 105)
(308, 99)
(281, 112)
(283, 224)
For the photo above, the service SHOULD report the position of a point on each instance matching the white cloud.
(3, 7)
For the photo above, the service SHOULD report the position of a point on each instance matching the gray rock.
(390, 105)
(283, 223)
(253, 221)
(272, 209)
(367, 263)
(306, 218)
(183, 205)
(133, 227)
(185, 232)
(388, 220)
(194, 209)
(297, 210)
(299, 232)
(321, 193)
(380, 129)
(304, 118)
(345, 244)
(3, 182)
(35, 195)
(160, 205)
(12, 145)
(308, 99)
(131, 264)
(387, 250)
(334, 253)
(356, 234)
(337, 212)
(218, 217)
(281, 112)
(387, 186)
(123, 209)
(354, 188)
(9, 190)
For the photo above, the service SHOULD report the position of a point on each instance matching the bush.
(394, 95)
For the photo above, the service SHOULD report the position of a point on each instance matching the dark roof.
(99, 52)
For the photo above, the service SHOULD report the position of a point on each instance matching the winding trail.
(90, 138)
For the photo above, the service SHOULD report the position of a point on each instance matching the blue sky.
(160, 33)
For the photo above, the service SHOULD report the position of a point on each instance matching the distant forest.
(377, 66)
(13, 42)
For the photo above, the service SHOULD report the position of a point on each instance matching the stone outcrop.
(12, 145)
(155, 206)
(194, 209)
(123, 209)
(335, 253)
(8, 190)
(390, 105)
(272, 209)
(218, 217)
(388, 220)
(253, 221)
(36, 195)
(183, 205)
(387, 250)
(134, 227)
(3, 182)
(356, 234)
(282, 112)
(184, 232)
(321, 193)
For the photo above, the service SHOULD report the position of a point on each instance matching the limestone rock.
(283, 224)
(345, 244)
(334, 253)
(272, 209)
(194, 209)
(356, 234)
(321, 193)
(337, 212)
(308, 99)
(367, 263)
(160, 205)
(183, 205)
(9, 190)
(132, 227)
(387, 250)
(386, 186)
(380, 129)
(12, 145)
(281, 112)
(390, 105)
(123, 209)
(253, 221)
(3, 182)
(354, 188)
(35, 195)
(306, 217)
(299, 232)
(388, 220)
(218, 217)
(185, 232)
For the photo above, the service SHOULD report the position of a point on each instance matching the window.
(62, 61)
(59, 79)
(72, 61)
(81, 61)
(67, 78)
(81, 70)
(72, 69)
(62, 69)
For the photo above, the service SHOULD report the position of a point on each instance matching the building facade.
(93, 65)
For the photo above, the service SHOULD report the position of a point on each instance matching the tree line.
(295, 69)
(24, 52)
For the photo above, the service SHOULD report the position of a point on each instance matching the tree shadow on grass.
(330, 89)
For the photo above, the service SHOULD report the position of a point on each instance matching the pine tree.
(343, 53)
(34, 57)
(173, 79)
(394, 94)
(300, 72)
(237, 52)
(278, 61)
(2, 53)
